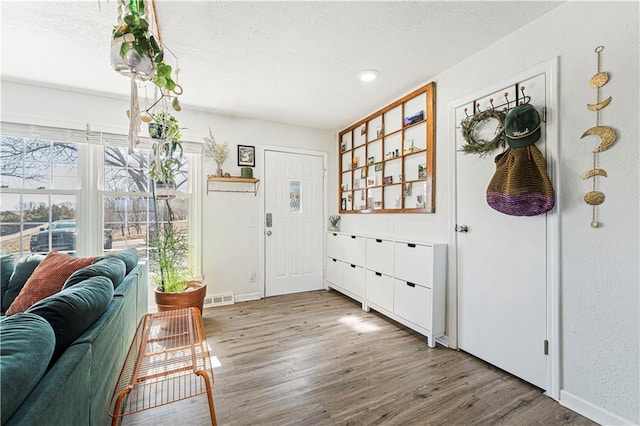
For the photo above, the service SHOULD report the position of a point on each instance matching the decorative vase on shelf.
(219, 171)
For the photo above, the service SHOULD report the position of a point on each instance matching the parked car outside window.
(63, 237)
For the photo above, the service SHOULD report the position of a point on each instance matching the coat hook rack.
(520, 99)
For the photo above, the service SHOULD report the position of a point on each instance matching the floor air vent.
(219, 300)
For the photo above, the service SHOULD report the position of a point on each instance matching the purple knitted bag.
(521, 185)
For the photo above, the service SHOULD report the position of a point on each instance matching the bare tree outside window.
(33, 221)
(39, 183)
(129, 214)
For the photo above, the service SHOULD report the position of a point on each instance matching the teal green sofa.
(60, 359)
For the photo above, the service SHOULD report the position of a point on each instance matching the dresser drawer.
(335, 271)
(413, 303)
(334, 245)
(380, 256)
(414, 263)
(354, 249)
(353, 279)
(379, 289)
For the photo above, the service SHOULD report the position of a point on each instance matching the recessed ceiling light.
(368, 75)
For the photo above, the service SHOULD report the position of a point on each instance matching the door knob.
(269, 233)
(462, 228)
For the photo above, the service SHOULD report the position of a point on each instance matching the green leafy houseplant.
(168, 150)
(137, 43)
(170, 246)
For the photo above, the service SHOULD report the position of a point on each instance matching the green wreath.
(479, 146)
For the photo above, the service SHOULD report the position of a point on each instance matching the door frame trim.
(262, 150)
(550, 68)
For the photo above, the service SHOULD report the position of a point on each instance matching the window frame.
(91, 191)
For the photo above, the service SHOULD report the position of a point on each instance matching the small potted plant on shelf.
(334, 223)
(167, 152)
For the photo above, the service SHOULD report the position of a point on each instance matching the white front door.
(502, 261)
(294, 207)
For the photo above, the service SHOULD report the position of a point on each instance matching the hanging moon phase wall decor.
(599, 80)
(599, 105)
(594, 172)
(607, 137)
(594, 198)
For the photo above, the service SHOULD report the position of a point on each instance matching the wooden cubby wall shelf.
(387, 160)
(211, 182)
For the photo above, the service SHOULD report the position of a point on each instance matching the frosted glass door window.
(295, 203)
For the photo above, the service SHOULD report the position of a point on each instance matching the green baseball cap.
(522, 126)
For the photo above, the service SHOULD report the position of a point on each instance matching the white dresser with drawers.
(402, 279)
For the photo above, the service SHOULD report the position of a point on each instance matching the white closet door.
(502, 277)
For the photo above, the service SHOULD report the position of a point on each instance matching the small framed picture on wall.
(246, 155)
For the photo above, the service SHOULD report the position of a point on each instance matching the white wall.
(230, 231)
(231, 221)
(600, 276)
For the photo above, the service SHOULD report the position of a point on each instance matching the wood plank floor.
(317, 359)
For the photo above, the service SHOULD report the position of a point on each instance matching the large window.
(40, 186)
(129, 212)
(84, 193)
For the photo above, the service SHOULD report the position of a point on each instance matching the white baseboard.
(443, 340)
(591, 411)
(248, 296)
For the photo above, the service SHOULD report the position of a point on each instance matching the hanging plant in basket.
(136, 52)
(479, 146)
(167, 153)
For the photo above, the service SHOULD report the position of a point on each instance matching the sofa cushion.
(62, 396)
(23, 270)
(110, 267)
(27, 345)
(73, 310)
(129, 257)
(6, 269)
(47, 279)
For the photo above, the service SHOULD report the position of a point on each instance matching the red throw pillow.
(47, 279)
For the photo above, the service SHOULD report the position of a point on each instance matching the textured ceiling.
(288, 62)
